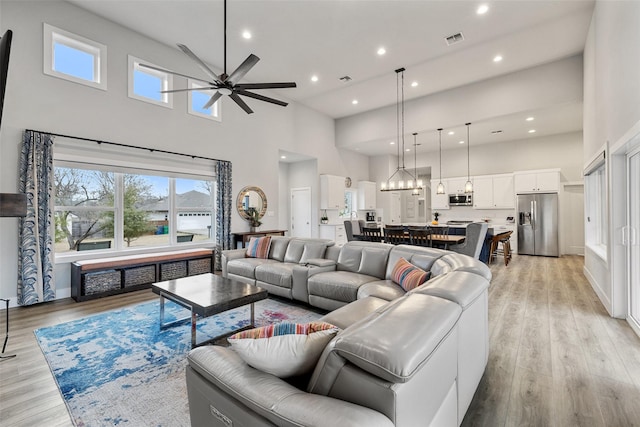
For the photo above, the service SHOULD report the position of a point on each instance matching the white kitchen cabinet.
(547, 181)
(331, 192)
(335, 232)
(483, 192)
(366, 195)
(503, 194)
(455, 185)
(439, 201)
(493, 192)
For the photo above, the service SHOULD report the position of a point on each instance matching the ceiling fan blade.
(198, 61)
(262, 98)
(241, 103)
(265, 85)
(190, 88)
(151, 67)
(243, 69)
(212, 100)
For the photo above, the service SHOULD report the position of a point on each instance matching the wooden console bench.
(96, 278)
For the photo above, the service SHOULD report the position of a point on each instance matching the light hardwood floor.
(556, 358)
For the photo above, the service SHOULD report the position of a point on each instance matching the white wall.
(611, 109)
(36, 101)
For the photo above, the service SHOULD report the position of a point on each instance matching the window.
(114, 210)
(146, 84)
(595, 187)
(199, 98)
(74, 58)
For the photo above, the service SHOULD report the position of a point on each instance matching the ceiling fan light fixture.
(225, 91)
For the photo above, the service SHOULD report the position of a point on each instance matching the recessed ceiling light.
(314, 78)
(414, 84)
(407, 149)
(482, 9)
(451, 132)
(530, 119)
(246, 34)
(283, 157)
(461, 142)
(382, 51)
(497, 58)
(532, 131)
(392, 143)
(354, 102)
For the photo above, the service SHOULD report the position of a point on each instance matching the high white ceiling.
(296, 39)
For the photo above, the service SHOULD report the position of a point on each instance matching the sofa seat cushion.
(338, 285)
(276, 273)
(246, 267)
(383, 289)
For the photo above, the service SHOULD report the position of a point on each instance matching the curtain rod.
(98, 141)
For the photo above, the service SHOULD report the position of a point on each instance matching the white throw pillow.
(285, 349)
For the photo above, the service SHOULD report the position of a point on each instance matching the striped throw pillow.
(285, 349)
(259, 247)
(408, 275)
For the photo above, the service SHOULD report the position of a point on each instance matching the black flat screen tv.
(5, 49)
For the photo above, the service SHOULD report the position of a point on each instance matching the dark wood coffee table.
(206, 295)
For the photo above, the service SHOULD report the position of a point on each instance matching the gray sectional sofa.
(401, 358)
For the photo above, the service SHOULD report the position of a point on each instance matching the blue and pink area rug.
(119, 369)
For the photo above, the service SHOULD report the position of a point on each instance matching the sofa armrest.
(229, 255)
(321, 262)
(268, 396)
(301, 273)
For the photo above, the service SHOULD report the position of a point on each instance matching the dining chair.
(439, 232)
(420, 236)
(395, 236)
(473, 241)
(372, 234)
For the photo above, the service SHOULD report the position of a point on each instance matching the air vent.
(345, 79)
(496, 132)
(453, 39)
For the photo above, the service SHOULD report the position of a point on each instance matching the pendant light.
(406, 180)
(440, 189)
(468, 186)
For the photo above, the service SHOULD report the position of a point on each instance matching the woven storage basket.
(139, 275)
(101, 281)
(173, 270)
(199, 266)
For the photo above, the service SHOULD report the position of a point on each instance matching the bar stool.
(495, 250)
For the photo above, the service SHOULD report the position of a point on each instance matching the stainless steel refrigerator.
(538, 224)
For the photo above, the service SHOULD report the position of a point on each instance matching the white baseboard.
(634, 325)
(60, 294)
(606, 302)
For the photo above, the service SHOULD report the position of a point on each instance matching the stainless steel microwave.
(460, 200)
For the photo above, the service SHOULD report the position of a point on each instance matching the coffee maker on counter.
(371, 216)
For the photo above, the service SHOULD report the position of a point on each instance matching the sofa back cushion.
(421, 257)
(300, 251)
(364, 258)
(279, 246)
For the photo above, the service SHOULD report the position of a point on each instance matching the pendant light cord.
(440, 149)
(225, 37)
(468, 150)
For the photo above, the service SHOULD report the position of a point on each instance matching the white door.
(633, 171)
(573, 219)
(300, 212)
(395, 210)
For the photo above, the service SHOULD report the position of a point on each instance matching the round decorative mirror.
(252, 204)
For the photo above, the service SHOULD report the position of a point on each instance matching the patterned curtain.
(224, 206)
(35, 246)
